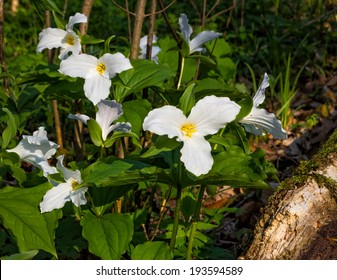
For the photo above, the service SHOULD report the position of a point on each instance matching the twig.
(124, 9)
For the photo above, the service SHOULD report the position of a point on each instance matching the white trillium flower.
(108, 112)
(259, 119)
(96, 72)
(202, 38)
(56, 197)
(207, 116)
(143, 48)
(37, 149)
(67, 39)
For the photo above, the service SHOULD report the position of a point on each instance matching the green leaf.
(135, 112)
(109, 235)
(107, 44)
(21, 256)
(162, 144)
(10, 131)
(124, 172)
(95, 131)
(19, 211)
(187, 100)
(134, 138)
(144, 74)
(90, 40)
(157, 250)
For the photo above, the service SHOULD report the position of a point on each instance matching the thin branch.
(217, 3)
(129, 20)
(176, 38)
(124, 9)
(162, 10)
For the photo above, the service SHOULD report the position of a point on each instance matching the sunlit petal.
(196, 155)
(108, 111)
(259, 120)
(46, 168)
(67, 173)
(78, 196)
(80, 117)
(185, 28)
(212, 113)
(50, 38)
(260, 94)
(36, 149)
(97, 88)
(115, 63)
(56, 197)
(81, 66)
(166, 120)
(202, 38)
(77, 18)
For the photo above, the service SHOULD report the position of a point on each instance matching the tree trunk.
(299, 221)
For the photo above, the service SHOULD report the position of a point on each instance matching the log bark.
(300, 209)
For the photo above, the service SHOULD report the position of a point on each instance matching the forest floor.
(318, 99)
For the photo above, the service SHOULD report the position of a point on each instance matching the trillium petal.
(260, 94)
(36, 148)
(212, 113)
(56, 197)
(115, 63)
(196, 155)
(82, 66)
(202, 38)
(80, 117)
(166, 120)
(259, 120)
(77, 18)
(97, 88)
(67, 173)
(78, 196)
(185, 28)
(46, 168)
(108, 111)
(50, 38)
(121, 127)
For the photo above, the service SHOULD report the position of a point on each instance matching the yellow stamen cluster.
(74, 184)
(188, 129)
(70, 40)
(101, 68)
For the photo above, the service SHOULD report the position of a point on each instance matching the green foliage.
(20, 214)
(132, 178)
(109, 235)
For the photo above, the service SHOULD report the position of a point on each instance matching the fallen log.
(291, 224)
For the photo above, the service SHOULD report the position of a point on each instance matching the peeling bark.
(291, 221)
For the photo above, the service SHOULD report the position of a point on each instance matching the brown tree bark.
(304, 205)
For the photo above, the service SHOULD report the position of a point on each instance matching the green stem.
(181, 70)
(195, 223)
(191, 240)
(176, 218)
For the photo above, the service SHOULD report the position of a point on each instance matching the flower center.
(188, 129)
(74, 184)
(101, 68)
(70, 40)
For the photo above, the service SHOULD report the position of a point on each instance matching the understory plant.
(142, 139)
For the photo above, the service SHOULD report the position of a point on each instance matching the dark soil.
(325, 245)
